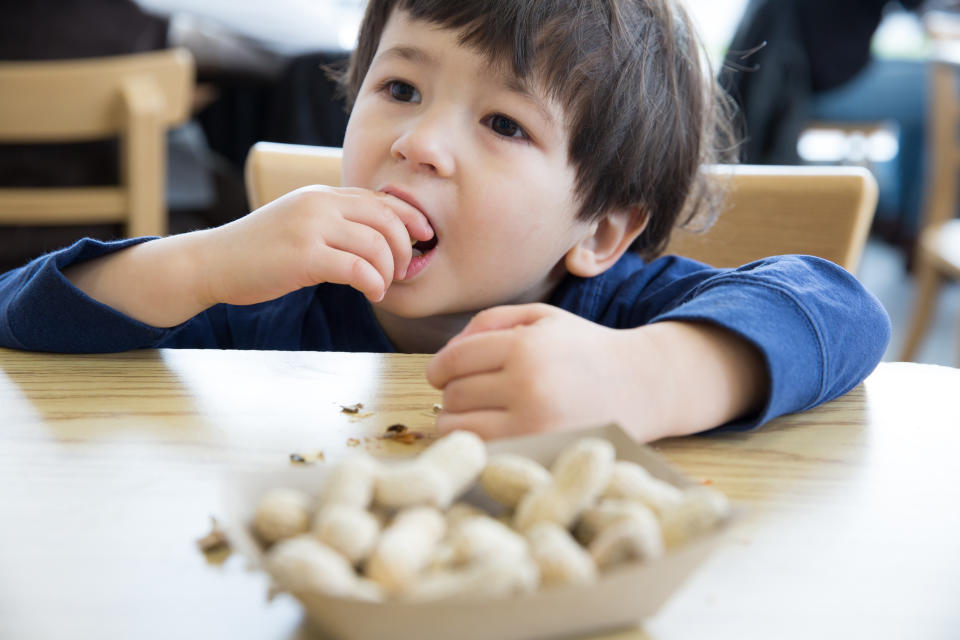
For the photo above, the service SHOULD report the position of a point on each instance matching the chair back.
(273, 169)
(937, 250)
(821, 211)
(775, 210)
(133, 97)
(944, 144)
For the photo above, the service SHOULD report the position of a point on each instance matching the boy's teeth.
(417, 253)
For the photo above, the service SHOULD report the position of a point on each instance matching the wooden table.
(110, 468)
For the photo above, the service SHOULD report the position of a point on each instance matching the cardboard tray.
(622, 597)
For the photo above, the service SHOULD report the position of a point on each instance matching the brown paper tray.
(621, 597)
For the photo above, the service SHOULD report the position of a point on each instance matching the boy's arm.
(158, 283)
(706, 375)
(310, 236)
(125, 293)
(685, 332)
(536, 367)
(41, 311)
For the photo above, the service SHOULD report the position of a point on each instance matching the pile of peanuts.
(394, 531)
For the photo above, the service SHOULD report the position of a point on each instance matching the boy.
(524, 148)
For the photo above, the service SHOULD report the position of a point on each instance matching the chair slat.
(61, 206)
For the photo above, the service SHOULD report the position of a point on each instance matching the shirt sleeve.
(819, 331)
(40, 310)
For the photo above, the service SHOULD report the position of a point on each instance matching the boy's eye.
(402, 92)
(506, 127)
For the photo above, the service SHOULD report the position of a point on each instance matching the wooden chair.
(822, 211)
(134, 97)
(774, 210)
(273, 169)
(937, 257)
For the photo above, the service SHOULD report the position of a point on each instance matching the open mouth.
(423, 253)
(421, 247)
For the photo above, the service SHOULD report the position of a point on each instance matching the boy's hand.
(312, 235)
(532, 368)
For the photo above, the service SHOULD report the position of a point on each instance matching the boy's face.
(484, 159)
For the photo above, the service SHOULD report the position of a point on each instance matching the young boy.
(524, 148)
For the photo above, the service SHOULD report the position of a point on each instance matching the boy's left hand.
(532, 368)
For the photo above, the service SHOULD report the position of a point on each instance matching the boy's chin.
(407, 304)
(404, 305)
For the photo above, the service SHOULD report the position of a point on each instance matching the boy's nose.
(427, 146)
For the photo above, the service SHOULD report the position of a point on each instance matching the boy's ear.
(608, 239)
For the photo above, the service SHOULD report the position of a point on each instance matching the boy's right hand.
(312, 235)
(309, 236)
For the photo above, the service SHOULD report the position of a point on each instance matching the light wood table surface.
(110, 467)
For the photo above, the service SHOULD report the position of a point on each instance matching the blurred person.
(791, 62)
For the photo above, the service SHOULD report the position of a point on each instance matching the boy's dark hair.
(642, 112)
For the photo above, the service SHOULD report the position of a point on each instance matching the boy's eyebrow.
(410, 54)
(510, 82)
(518, 86)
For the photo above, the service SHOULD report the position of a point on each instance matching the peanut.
(436, 477)
(580, 473)
(545, 504)
(507, 478)
(282, 513)
(560, 559)
(410, 484)
(460, 456)
(351, 482)
(630, 481)
(404, 548)
(350, 530)
(699, 510)
(602, 515)
(482, 538)
(636, 536)
(303, 565)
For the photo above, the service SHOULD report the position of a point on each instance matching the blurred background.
(852, 86)
(843, 82)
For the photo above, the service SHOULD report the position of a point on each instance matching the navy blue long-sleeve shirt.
(819, 331)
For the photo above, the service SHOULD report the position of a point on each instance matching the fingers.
(367, 243)
(375, 227)
(410, 217)
(315, 234)
(397, 221)
(477, 354)
(342, 267)
(379, 216)
(475, 393)
(505, 317)
(416, 224)
(488, 424)
(319, 224)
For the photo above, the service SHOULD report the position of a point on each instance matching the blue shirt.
(820, 332)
